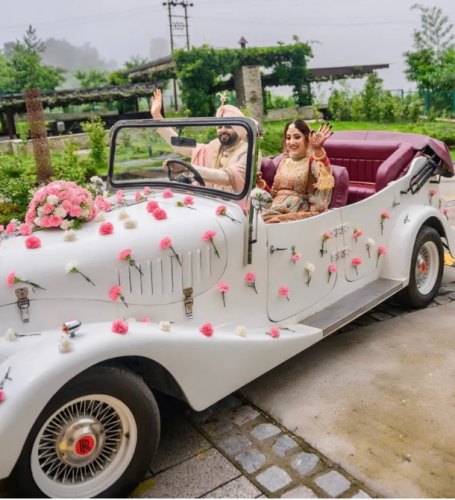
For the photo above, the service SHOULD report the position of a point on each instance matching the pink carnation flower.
(10, 280)
(125, 254)
(328, 236)
(106, 228)
(2, 228)
(25, 230)
(75, 211)
(146, 320)
(54, 221)
(160, 214)
(115, 292)
(208, 235)
(40, 196)
(274, 332)
(250, 277)
(120, 327)
(146, 190)
(296, 257)
(10, 228)
(67, 205)
(221, 210)
(119, 196)
(433, 192)
(106, 206)
(99, 202)
(165, 243)
(48, 208)
(137, 197)
(356, 261)
(167, 193)
(188, 200)
(385, 215)
(32, 242)
(284, 292)
(206, 330)
(358, 233)
(152, 206)
(223, 287)
(333, 268)
(2, 395)
(381, 251)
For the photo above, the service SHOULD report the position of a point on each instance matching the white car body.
(204, 369)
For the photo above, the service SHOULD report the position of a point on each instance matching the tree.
(27, 68)
(5, 75)
(432, 63)
(91, 78)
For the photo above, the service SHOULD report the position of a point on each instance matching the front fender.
(401, 243)
(206, 369)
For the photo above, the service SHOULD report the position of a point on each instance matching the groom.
(222, 162)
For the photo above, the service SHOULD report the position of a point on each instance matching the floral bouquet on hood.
(61, 204)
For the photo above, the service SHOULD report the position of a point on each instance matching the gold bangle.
(319, 158)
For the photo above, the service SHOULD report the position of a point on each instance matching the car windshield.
(215, 155)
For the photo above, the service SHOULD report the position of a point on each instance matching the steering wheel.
(185, 179)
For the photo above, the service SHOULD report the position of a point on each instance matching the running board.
(354, 305)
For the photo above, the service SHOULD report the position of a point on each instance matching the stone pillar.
(248, 89)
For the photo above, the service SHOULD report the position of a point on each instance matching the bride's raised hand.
(317, 139)
(156, 103)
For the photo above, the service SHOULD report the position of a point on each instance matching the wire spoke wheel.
(84, 447)
(427, 267)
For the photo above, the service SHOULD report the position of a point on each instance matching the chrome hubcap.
(80, 442)
(427, 267)
(422, 266)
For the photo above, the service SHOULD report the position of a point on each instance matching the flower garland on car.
(61, 204)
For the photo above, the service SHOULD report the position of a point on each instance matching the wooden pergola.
(10, 104)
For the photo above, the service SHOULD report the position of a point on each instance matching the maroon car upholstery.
(371, 165)
(339, 192)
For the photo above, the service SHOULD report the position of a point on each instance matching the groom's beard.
(228, 139)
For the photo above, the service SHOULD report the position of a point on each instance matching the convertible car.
(183, 289)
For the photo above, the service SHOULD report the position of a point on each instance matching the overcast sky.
(350, 32)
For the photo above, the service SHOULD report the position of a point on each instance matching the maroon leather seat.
(371, 165)
(339, 193)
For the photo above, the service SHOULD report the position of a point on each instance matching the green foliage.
(273, 101)
(91, 79)
(68, 167)
(27, 70)
(201, 71)
(5, 75)
(97, 136)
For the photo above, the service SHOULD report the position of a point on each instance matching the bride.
(304, 181)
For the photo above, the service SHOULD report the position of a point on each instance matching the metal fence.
(441, 102)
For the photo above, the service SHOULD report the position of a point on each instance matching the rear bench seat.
(371, 165)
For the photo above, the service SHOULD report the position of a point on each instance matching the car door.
(306, 237)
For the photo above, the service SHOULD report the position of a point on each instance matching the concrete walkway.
(378, 401)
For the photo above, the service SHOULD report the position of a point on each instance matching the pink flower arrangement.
(325, 237)
(357, 233)
(120, 327)
(151, 206)
(432, 193)
(166, 243)
(62, 204)
(208, 236)
(384, 216)
(25, 230)
(381, 251)
(223, 288)
(32, 242)
(167, 193)
(295, 256)
(106, 228)
(250, 279)
(119, 196)
(115, 293)
(159, 214)
(221, 211)
(12, 279)
(10, 228)
(356, 262)
(274, 332)
(126, 256)
(283, 291)
(206, 329)
(332, 270)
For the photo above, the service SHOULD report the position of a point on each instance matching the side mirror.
(261, 200)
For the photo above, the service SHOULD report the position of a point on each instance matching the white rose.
(74, 264)
(60, 212)
(65, 346)
(100, 217)
(165, 326)
(53, 199)
(310, 268)
(11, 335)
(96, 180)
(370, 242)
(66, 224)
(37, 221)
(40, 211)
(70, 235)
(130, 224)
(123, 215)
(84, 213)
(240, 331)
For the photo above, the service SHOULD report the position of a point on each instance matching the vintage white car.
(202, 313)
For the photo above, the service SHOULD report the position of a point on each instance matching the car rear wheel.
(427, 267)
(95, 438)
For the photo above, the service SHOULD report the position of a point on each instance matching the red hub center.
(84, 445)
(423, 267)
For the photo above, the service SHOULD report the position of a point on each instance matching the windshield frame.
(247, 123)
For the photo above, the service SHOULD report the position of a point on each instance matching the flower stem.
(122, 298)
(34, 285)
(382, 228)
(214, 248)
(356, 272)
(369, 255)
(176, 256)
(133, 263)
(330, 275)
(224, 299)
(87, 278)
(232, 219)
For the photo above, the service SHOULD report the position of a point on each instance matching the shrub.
(68, 167)
(97, 136)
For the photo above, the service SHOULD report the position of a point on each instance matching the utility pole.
(176, 26)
